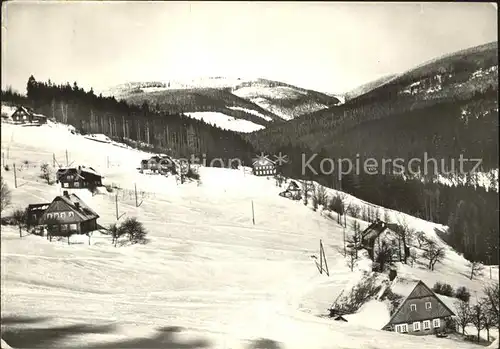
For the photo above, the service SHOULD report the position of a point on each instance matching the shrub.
(6, 168)
(109, 188)
(443, 289)
(462, 293)
(393, 298)
(133, 229)
(359, 295)
(92, 188)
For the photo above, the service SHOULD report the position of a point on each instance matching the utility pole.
(137, 203)
(67, 161)
(253, 214)
(15, 175)
(53, 160)
(116, 204)
(135, 190)
(320, 257)
(343, 233)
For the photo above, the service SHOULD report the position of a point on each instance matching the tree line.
(144, 125)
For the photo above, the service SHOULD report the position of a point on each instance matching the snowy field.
(209, 278)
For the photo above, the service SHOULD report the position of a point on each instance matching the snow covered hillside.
(225, 121)
(208, 278)
(270, 100)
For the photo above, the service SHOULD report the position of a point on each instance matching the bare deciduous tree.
(422, 240)
(434, 254)
(5, 196)
(46, 172)
(319, 196)
(476, 269)
(406, 235)
(463, 314)
(20, 217)
(489, 320)
(491, 299)
(477, 318)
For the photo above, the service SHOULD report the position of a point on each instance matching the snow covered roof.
(79, 169)
(80, 207)
(38, 207)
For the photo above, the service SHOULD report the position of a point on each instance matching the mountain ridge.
(260, 101)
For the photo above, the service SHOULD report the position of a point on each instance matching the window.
(77, 184)
(436, 323)
(49, 216)
(62, 215)
(413, 307)
(73, 227)
(70, 214)
(56, 214)
(427, 325)
(402, 328)
(65, 185)
(428, 305)
(416, 326)
(64, 227)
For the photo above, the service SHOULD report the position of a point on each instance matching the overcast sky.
(330, 47)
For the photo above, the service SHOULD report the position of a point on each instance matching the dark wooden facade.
(66, 214)
(25, 115)
(78, 178)
(379, 237)
(158, 163)
(264, 167)
(421, 313)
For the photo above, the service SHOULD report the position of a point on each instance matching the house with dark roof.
(421, 313)
(158, 163)
(264, 167)
(34, 212)
(378, 238)
(78, 177)
(65, 214)
(26, 115)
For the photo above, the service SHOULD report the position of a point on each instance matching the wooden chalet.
(421, 313)
(158, 163)
(25, 115)
(264, 167)
(293, 187)
(66, 214)
(78, 177)
(379, 237)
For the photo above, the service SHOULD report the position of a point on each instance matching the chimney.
(77, 205)
(65, 193)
